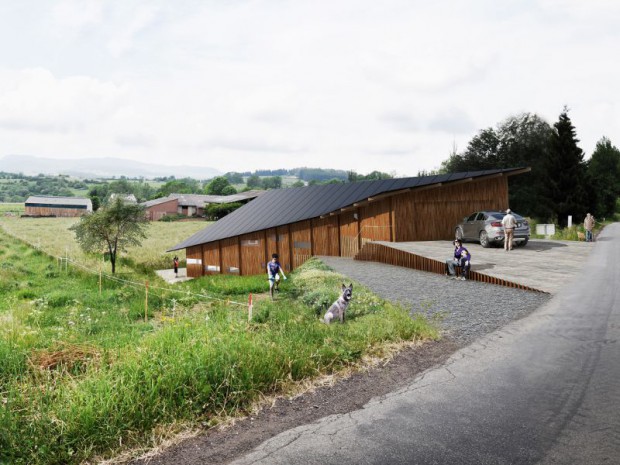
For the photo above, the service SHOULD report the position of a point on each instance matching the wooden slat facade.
(349, 234)
(211, 258)
(252, 253)
(301, 239)
(194, 260)
(229, 251)
(417, 215)
(55, 211)
(284, 247)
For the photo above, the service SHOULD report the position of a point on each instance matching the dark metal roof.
(284, 206)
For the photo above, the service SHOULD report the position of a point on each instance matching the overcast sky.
(239, 85)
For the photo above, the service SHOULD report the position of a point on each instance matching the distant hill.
(100, 168)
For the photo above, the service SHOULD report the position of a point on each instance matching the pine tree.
(566, 185)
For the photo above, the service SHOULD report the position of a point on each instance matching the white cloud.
(70, 18)
(35, 100)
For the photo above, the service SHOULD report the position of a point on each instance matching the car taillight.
(496, 224)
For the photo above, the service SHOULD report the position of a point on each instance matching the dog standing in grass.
(339, 308)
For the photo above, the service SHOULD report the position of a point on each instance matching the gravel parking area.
(466, 310)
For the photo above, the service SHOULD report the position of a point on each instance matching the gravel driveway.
(466, 309)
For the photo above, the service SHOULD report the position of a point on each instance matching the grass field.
(52, 235)
(88, 373)
(15, 208)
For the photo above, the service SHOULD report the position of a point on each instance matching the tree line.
(561, 182)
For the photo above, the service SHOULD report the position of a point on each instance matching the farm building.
(126, 198)
(338, 219)
(191, 204)
(57, 206)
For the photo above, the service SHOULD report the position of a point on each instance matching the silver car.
(486, 227)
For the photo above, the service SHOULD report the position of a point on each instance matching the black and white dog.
(338, 308)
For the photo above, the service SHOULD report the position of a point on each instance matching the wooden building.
(57, 206)
(338, 219)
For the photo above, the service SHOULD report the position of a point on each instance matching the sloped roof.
(199, 200)
(59, 201)
(284, 206)
(160, 200)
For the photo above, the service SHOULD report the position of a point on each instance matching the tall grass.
(83, 375)
(53, 236)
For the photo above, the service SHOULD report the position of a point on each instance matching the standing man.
(588, 224)
(509, 223)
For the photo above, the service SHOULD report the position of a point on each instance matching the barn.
(338, 219)
(57, 206)
(191, 204)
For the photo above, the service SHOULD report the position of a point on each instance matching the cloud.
(35, 100)
(453, 121)
(70, 18)
(123, 39)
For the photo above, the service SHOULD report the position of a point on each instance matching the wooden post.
(146, 301)
(250, 308)
(99, 280)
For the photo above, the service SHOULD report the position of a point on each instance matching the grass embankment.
(82, 375)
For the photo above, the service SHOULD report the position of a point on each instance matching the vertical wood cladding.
(302, 242)
(252, 253)
(349, 230)
(54, 211)
(284, 247)
(375, 221)
(325, 236)
(230, 255)
(211, 258)
(272, 243)
(194, 261)
(431, 214)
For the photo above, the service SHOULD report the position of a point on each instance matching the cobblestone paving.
(466, 309)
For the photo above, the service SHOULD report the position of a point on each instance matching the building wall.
(431, 214)
(418, 215)
(54, 211)
(252, 252)
(229, 250)
(194, 260)
(211, 263)
(156, 212)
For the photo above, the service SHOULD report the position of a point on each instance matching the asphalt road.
(544, 389)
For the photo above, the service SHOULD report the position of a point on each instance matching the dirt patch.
(223, 445)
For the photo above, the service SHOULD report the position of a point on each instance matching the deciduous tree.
(604, 178)
(111, 228)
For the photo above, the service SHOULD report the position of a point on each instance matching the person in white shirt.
(509, 223)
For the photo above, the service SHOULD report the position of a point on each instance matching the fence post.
(146, 301)
(250, 308)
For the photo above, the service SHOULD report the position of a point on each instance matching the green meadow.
(92, 368)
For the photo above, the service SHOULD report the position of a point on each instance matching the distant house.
(191, 204)
(339, 219)
(126, 198)
(37, 205)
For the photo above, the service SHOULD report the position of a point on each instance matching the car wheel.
(522, 243)
(484, 239)
(458, 234)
